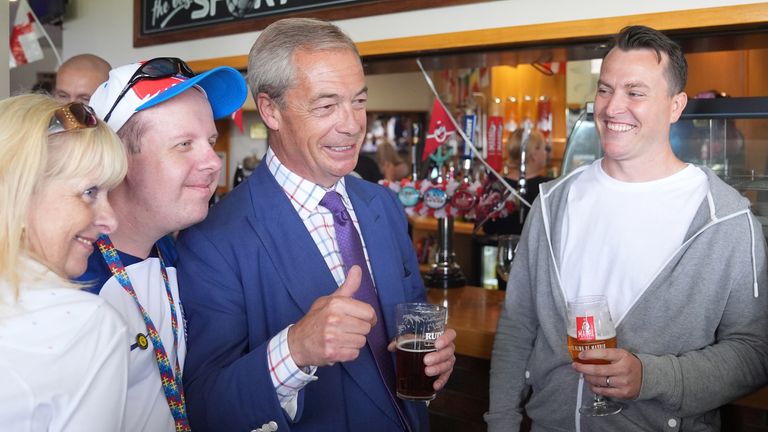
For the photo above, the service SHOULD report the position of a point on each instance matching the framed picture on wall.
(163, 21)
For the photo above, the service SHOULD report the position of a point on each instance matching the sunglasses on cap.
(157, 68)
(72, 116)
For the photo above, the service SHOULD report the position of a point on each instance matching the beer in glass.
(590, 327)
(418, 327)
(575, 346)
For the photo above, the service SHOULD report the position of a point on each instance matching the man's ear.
(679, 101)
(269, 111)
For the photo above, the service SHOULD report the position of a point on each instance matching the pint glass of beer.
(418, 327)
(590, 327)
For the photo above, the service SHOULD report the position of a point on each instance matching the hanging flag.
(237, 117)
(449, 122)
(440, 129)
(25, 35)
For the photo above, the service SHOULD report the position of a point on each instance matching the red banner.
(440, 129)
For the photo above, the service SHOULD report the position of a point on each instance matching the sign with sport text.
(161, 21)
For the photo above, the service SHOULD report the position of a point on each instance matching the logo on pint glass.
(585, 328)
(432, 336)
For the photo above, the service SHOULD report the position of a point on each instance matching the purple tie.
(351, 249)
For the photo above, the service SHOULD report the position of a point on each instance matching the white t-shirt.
(63, 362)
(147, 408)
(617, 236)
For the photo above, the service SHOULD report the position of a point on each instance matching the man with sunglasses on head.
(291, 283)
(164, 114)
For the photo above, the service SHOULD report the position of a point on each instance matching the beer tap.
(415, 134)
(482, 124)
(521, 182)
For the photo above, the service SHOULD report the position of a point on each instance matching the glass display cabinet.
(728, 135)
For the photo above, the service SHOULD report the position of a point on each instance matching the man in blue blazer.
(277, 339)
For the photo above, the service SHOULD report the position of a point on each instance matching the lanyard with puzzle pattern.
(171, 377)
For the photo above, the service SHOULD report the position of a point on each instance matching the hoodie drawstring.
(754, 258)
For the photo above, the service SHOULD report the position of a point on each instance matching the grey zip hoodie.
(700, 328)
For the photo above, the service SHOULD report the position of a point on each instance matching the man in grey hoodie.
(676, 251)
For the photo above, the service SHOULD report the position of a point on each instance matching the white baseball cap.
(224, 87)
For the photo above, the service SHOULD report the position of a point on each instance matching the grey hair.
(270, 62)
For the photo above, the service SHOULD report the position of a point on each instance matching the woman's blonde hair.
(392, 166)
(386, 152)
(29, 157)
(535, 139)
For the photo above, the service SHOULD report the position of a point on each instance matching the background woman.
(63, 352)
(392, 166)
(536, 160)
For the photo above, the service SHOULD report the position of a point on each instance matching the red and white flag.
(440, 129)
(237, 117)
(25, 35)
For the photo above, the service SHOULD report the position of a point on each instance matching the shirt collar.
(304, 194)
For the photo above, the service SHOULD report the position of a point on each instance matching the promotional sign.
(164, 15)
(495, 131)
(161, 21)
(409, 196)
(468, 124)
(435, 198)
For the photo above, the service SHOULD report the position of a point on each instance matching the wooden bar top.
(473, 312)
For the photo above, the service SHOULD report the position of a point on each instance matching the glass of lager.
(418, 327)
(590, 327)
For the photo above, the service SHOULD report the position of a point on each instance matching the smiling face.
(537, 157)
(318, 130)
(76, 82)
(175, 172)
(634, 108)
(65, 219)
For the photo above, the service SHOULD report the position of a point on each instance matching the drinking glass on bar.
(418, 327)
(505, 255)
(590, 327)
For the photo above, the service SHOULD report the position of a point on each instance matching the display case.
(728, 135)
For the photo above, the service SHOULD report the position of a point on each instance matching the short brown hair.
(642, 37)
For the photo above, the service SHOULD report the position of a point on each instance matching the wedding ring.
(607, 381)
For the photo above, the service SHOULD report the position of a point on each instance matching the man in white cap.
(164, 114)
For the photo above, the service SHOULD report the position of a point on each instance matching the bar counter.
(474, 313)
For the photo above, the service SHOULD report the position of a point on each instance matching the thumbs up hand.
(334, 329)
(351, 284)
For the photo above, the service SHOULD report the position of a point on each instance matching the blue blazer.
(251, 269)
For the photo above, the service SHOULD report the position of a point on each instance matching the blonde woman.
(392, 166)
(536, 161)
(63, 352)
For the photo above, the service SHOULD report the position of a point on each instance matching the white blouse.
(63, 361)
